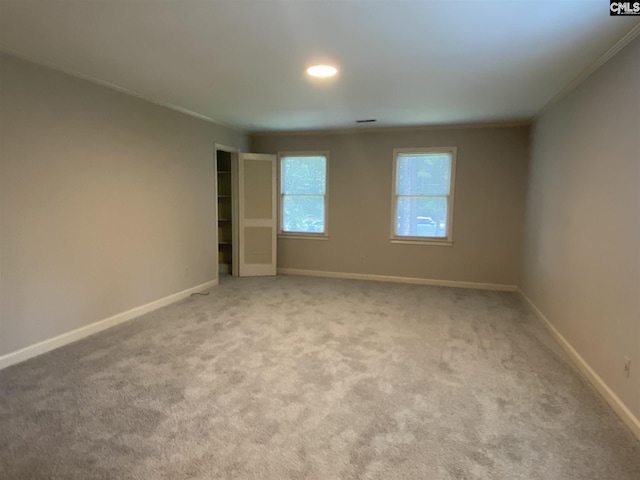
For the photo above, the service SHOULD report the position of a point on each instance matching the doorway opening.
(226, 191)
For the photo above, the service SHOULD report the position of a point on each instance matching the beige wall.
(488, 214)
(582, 254)
(106, 199)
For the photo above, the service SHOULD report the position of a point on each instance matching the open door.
(257, 184)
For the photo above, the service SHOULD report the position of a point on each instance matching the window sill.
(419, 241)
(303, 236)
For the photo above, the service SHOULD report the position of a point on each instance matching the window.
(303, 194)
(423, 181)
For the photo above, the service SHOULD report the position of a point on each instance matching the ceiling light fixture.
(322, 71)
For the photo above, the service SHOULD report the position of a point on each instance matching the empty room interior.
(277, 239)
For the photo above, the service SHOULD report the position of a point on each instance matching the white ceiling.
(241, 62)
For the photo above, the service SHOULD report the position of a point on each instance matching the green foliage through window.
(423, 182)
(303, 182)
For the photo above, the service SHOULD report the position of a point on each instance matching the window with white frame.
(303, 193)
(423, 185)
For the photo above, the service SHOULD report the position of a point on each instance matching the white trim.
(610, 397)
(453, 153)
(303, 236)
(587, 72)
(257, 269)
(417, 241)
(82, 332)
(392, 279)
(394, 128)
(118, 88)
(225, 148)
(307, 235)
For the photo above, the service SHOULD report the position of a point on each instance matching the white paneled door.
(257, 184)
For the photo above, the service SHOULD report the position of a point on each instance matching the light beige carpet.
(302, 378)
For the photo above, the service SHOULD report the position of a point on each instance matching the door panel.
(257, 182)
(258, 245)
(257, 209)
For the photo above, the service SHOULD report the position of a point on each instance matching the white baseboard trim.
(610, 397)
(82, 332)
(388, 278)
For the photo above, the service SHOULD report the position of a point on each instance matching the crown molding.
(118, 88)
(572, 85)
(587, 72)
(394, 128)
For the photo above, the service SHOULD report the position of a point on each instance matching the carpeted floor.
(306, 378)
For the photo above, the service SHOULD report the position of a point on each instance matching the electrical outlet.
(361, 258)
(627, 366)
(186, 272)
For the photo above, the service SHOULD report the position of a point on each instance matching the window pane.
(421, 216)
(423, 174)
(304, 175)
(303, 213)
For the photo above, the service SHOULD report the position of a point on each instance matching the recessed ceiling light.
(322, 71)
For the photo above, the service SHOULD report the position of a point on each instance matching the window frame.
(417, 240)
(304, 235)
